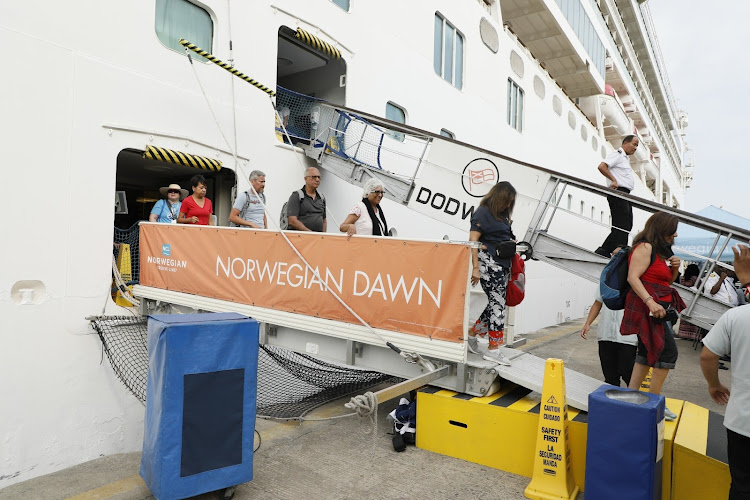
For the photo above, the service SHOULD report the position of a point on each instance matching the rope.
(122, 288)
(366, 405)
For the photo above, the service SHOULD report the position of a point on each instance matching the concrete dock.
(333, 459)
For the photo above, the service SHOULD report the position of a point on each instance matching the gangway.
(357, 146)
(432, 175)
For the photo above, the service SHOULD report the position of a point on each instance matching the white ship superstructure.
(551, 83)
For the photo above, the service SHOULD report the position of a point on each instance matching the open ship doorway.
(308, 70)
(140, 178)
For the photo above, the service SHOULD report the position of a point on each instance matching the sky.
(704, 48)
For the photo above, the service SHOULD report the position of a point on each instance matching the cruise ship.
(105, 103)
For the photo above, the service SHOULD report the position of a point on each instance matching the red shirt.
(190, 208)
(658, 272)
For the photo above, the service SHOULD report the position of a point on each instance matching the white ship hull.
(92, 81)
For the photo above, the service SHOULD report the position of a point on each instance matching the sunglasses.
(380, 193)
(173, 191)
(314, 176)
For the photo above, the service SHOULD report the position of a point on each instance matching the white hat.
(183, 192)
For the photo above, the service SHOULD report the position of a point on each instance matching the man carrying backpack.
(248, 209)
(306, 208)
(616, 168)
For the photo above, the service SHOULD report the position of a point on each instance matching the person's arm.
(348, 225)
(234, 216)
(710, 369)
(604, 169)
(674, 261)
(154, 215)
(265, 221)
(596, 307)
(474, 236)
(742, 264)
(717, 286)
(295, 224)
(181, 219)
(325, 225)
(639, 262)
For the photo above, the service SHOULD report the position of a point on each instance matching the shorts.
(668, 357)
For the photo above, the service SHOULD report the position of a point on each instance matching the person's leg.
(639, 374)
(608, 359)
(667, 360)
(622, 216)
(739, 465)
(625, 361)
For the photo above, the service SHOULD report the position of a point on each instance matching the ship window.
(344, 4)
(177, 19)
(448, 48)
(447, 133)
(396, 114)
(583, 207)
(593, 212)
(570, 202)
(515, 105)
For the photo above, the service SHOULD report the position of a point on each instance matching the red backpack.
(517, 282)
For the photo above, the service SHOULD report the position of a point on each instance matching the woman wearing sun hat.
(167, 209)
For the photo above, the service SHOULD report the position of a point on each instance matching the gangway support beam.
(412, 384)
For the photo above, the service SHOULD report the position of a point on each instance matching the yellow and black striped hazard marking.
(511, 396)
(226, 66)
(173, 156)
(316, 43)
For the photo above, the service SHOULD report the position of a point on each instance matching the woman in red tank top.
(652, 269)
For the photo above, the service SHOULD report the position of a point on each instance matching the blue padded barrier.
(200, 403)
(625, 444)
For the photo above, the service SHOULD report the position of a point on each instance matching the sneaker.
(474, 345)
(496, 356)
(669, 415)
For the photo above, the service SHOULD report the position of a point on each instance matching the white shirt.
(609, 325)
(619, 166)
(731, 335)
(726, 292)
(363, 224)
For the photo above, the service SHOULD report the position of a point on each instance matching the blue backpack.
(613, 283)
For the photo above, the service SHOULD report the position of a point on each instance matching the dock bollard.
(552, 476)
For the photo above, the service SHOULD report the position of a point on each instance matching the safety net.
(289, 384)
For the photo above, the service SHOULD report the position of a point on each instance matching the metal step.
(396, 188)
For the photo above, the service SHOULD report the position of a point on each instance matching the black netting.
(289, 384)
(124, 342)
(130, 237)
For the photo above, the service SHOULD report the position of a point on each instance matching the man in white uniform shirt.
(720, 286)
(616, 168)
(731, 335)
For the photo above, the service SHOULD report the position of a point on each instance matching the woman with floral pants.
(491, 226)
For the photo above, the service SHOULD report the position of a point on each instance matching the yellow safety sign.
(552, 477)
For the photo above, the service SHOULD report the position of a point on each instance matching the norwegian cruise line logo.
(166, 250)
(479, 176)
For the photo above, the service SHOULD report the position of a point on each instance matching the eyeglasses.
(379, 193)
(173, 191)
(314, 176)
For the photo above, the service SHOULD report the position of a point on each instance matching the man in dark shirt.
(308, 213)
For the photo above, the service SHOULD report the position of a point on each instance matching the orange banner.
(406, 286)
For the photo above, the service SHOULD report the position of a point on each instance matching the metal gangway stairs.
(356, 146)
(443, 179)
